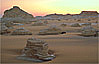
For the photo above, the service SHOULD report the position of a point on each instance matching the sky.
(44, 7)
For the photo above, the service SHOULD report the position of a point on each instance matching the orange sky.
(43, 7)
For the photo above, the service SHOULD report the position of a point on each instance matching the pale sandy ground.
(69, 48)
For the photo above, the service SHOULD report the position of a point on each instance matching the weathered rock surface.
(51, 30)
(88, 31)
(16, 14)
(63, 24)
(36, 50)
(39, 23)
(86, 24)
(75, 25)
(4, 29)
(21, 31)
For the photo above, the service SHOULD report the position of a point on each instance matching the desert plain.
(69, 48)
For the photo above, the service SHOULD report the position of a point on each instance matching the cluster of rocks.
(89, 31)
(21, 31)
(40, 23)
(51, 31)
(36, 50)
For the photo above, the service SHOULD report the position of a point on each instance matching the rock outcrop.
(75, 25)
(88, 31)
(63, 24)
(51, 31)
(86, 24)
(89, 13)
(39, 23)
(16, 14)
(4, 29)
(21, 31)
(36, 50)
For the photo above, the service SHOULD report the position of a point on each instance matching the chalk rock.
(21, 31)
(37, 49)
(16, 14)
(51, 30)
(4, 29)
(88, 31)
(39, 23)
(63, 24)
(86, 24)
(75, 25)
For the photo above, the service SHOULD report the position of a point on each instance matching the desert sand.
(70, 48)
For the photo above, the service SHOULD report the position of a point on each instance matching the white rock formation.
(4, 29)
(51, 30)
(39, 23)
(75, 25)
(16, 14)
(21, 31)
(88, 31)
(38, 50)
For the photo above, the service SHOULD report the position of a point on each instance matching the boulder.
(51, 31)
(88, 31)
(21, 31)
(75, 25)
(36, 50)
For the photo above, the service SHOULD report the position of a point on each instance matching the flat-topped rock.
(39, 23)
(86, 24)
(21, 31)
(88, 31)
(51, 31)
(63, 24)
(75, 25)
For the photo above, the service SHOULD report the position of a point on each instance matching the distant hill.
(16, 14)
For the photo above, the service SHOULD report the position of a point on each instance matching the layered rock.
(89, 13)
(86, 24)
(36, 50)
(88, 31)
(75, 25)
(4, 29)
(16, 14)
(46, 22)
(21, 31)
(63, 24)
(51, 30)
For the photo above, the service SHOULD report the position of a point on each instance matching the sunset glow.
(44, 7)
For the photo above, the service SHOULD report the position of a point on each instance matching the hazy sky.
(43, 7)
